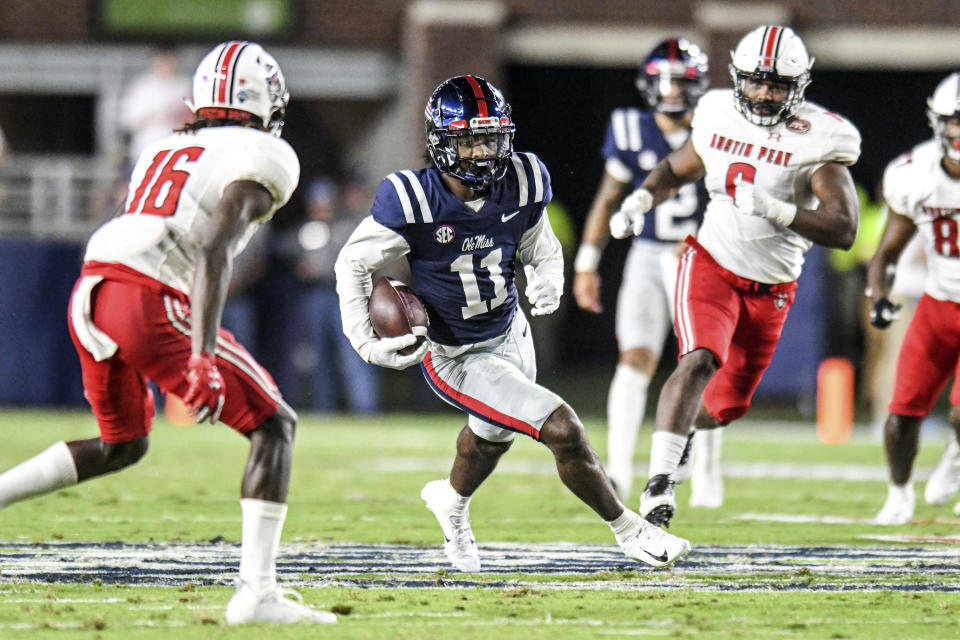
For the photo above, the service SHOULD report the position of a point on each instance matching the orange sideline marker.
(834, 400)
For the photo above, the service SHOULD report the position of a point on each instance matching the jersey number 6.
(746, 171)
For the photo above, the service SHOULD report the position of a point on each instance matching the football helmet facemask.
(240, 81)
(674, 59)
(772, 54)
(942, 106)
(467, 112)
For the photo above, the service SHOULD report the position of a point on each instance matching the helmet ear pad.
(468, 106)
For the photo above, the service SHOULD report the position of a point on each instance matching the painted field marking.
(505, 565)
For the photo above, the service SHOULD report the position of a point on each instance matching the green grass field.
(358, 481)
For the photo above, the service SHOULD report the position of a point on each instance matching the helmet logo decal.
(444, 234)
(274, 90)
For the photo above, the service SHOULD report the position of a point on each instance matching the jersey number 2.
(164, 183)
(471, 290)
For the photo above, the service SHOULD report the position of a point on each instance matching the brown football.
(395, 309)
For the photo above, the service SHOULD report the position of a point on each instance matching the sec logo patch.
(444, 234)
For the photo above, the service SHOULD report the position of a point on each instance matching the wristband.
(783, 212)
(588, 258)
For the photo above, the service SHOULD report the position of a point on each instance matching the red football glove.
(205, 395)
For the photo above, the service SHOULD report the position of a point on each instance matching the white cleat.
(652, 545)
(898, 509)
(459, 544)
(945, 479)
(273, 606)
(706, 482)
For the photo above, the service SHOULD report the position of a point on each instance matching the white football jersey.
(915, 185)
(780, 159)
(173, 191)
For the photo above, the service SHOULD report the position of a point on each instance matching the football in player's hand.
(395, 309)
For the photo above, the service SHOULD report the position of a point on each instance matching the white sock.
(665, 452)
(623, 523)
(626, 403)
(707, 446)
(262, 525)
(47, 471)
(459, 503)
(903, 492)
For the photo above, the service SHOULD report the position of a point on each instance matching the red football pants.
(929, 355)
(151, 325)
(738, 320)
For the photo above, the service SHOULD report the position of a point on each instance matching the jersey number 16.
(162, 182)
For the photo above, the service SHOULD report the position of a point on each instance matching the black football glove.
(883, 313)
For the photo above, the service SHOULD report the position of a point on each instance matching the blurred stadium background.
(359, 72)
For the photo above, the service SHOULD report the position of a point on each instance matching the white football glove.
(629, 219)
(385, 352)
(541, 292)
(752, 200)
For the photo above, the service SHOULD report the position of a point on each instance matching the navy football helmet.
(466, 113)
(673, 59)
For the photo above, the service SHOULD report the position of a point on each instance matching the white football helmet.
(240, 76)
(775, 54)
(944, 105)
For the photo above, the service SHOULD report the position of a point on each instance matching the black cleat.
(658, 503)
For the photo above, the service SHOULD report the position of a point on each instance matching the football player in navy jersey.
(465, 224)
(671, 80)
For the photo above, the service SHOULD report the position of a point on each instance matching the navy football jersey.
(463, 261)
(635, 141)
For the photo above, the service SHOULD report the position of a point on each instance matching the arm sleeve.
(371, 246)
(540, 248)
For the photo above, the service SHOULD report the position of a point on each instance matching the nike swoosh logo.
(660, 558)
(505, 217)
